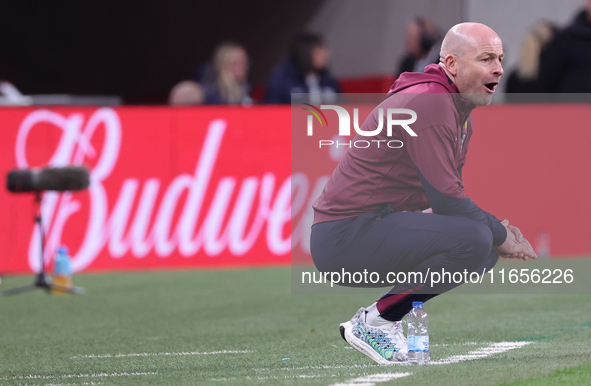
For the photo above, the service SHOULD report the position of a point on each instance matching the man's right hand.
(515, 246)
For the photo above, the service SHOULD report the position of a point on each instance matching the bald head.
(465, 36)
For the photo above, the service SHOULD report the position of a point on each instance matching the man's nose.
(498, 71)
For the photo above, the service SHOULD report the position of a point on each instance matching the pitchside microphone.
(58, 179)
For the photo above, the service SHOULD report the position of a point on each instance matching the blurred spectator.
(565, 66)
(422, 43)
(306, 71)
(229, 85)
(11, 96)
(525, 77)
(187, 92)
(205, 74)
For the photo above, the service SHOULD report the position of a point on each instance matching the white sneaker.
(349, 323)
(385, 345)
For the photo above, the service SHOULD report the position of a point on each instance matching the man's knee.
(477, 240)
(491, 261)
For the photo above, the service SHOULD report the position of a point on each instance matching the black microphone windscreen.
(22, 180)
(62, 179)
(54, 178)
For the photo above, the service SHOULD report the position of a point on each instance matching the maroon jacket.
(425, 172)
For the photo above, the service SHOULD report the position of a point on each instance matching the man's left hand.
(518, 238)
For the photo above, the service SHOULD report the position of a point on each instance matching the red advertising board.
(213, 186)
(169, 187)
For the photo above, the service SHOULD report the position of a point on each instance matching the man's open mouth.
(491, 86)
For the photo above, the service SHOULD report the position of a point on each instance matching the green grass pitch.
(244, 327)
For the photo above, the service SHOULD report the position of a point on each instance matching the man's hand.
(514, 230)
(515, 246)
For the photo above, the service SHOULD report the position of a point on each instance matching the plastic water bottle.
(418, 335)
(62, 270)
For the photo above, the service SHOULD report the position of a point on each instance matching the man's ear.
(451, 64)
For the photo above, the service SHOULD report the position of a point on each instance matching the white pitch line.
(460, 344)
(67, 376)
(495, 348)
(73, 384)
(370, 380)
(325, 367)
(153, 354)
(303, 376)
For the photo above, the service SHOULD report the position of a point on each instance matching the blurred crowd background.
(185, 52)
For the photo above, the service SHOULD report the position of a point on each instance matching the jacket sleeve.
(432, 153)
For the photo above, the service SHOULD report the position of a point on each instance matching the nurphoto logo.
(392, 119)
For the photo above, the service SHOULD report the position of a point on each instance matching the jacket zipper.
(463, 136)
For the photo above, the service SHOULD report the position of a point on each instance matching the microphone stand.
(42, 279)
